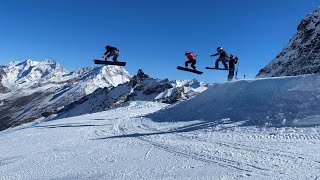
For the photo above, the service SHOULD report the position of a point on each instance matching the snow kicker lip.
(269, 102)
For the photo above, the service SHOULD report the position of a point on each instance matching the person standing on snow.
(191, 60)
(232, 62)
(223, 57)
(111, 51)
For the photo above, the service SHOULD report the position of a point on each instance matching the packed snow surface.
(287, 101)
(195, 139)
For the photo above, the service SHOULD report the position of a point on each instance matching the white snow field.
(258, 129)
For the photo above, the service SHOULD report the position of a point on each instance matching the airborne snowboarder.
(191, 60)
(111, 51)
(223, 57)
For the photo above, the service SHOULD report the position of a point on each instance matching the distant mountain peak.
(139, 77)
(29, 88)
(22, 75)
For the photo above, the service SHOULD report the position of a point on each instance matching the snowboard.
(189, 70)
(96, 61)
(219, 69)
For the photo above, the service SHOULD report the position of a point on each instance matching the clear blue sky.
(151, 34)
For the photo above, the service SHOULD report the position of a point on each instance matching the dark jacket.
(221, 53)
(232, 62)
(110, 49)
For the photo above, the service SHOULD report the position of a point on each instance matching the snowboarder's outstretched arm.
(216, 54)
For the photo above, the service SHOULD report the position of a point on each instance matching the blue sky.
(151, 34)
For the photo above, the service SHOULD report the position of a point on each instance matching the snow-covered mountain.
(32, 74)
(30, 88)
(302, 54)
(140, 88)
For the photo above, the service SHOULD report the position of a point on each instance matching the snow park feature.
(276, 102)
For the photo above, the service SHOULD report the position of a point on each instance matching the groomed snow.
(130, 143)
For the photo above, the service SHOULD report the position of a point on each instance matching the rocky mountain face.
(30, 88)
(3, 89)
(302, 54)
(140, 88)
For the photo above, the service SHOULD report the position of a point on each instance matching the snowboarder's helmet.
(187, 52)
(107, 47)
(219, 48)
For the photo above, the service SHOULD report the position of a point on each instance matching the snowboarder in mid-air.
(191, 60)
(111, 51)
(232, 62)
(223, 57)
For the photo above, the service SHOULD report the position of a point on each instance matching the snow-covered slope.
(212, 136)
(140, 88)
(30, 88)
(276, 102)
(302, 54)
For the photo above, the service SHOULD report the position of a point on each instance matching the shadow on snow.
(183, 129)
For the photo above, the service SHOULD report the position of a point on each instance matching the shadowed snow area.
(287, 101)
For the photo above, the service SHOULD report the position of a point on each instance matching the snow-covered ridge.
(26, 74)
(302, 54)
(30, 88)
